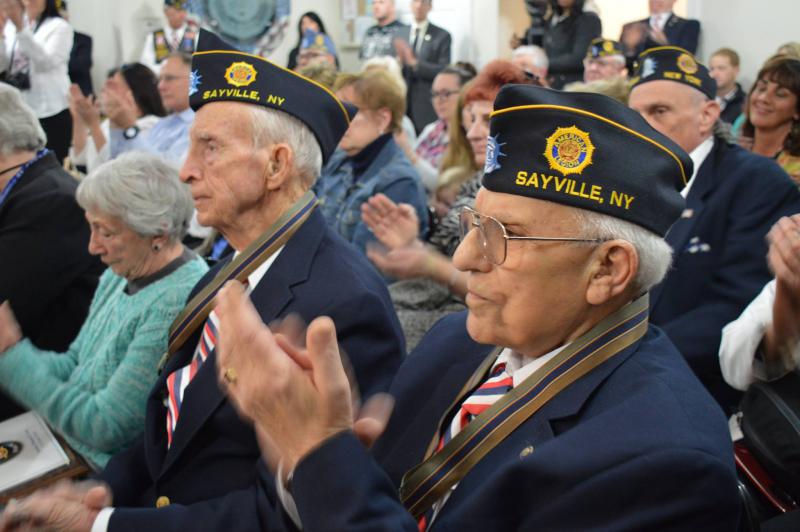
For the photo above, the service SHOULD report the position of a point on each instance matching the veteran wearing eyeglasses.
(551, 404)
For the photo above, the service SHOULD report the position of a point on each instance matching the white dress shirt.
(148, 57)
(46, 53)
(423, 29)
(698, 156)
(740, 341)
(91, 157)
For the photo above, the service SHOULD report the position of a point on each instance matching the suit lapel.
(679, 234)
(537, 431)
(273, 293)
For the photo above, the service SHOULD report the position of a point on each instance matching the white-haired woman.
(94, 394)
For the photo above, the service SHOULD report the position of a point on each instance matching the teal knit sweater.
(95, 393)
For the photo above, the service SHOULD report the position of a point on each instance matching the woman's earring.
(156, 247)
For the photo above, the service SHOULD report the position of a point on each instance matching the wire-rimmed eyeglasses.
(494, 236)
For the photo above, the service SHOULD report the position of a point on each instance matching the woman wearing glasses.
(432, 141)
(430, 285)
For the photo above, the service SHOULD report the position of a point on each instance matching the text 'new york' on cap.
(673, 63)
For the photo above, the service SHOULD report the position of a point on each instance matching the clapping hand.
(83, 108)
(119, 105)
(296, 396)
(64, 507)
(404, 53)
(10, 331)
(394, 225)
(13, 10)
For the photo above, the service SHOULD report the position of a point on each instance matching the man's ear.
(612, 271)
(279, 165)
(709, 114)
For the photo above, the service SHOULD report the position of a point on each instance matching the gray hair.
(143, 191)
(19, 128)
(537, 53)
(270, 125)
(655, 255)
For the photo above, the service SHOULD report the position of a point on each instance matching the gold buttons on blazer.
(527, 451)
(162, 502)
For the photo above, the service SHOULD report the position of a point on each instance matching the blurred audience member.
(323, 73)
(604, 60)
(169, 137)
(130, 83)
(46, 272)
(424, 51)
(764, 342)
(380, 38)
(393, 68)
(533, 60)
(732, 199)
(661, 28)
(179, 35)
(792, 49)
(34, 57)
(616, 88)
(316, 48)
(568, 32)
(426, 155)
(723, 65)
(308, 21)
(94, 394)
(430, 286)
(368, 161)
(773, 114)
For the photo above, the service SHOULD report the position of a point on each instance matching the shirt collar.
(254, 278)
(520, 367)
(423, 27)
(698, 155)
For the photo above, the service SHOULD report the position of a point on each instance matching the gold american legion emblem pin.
(569, 150)
(240, 74)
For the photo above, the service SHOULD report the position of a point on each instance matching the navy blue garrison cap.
(586, 151)
(222, 73)
(674, 64)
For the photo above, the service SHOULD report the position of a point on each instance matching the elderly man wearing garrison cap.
(258, 140)
(551, 404)
(732, 200)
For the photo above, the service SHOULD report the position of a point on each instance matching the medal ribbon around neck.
(198, 309)
(429, 481)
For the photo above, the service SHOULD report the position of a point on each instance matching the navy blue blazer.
(720, 253)
(209, 472)
(636, 444)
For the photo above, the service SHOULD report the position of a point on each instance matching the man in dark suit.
(424, 50)
(195, 468)
(661, 28)
(583, 416)
(732, 200)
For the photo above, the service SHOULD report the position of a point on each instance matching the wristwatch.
(131, 132)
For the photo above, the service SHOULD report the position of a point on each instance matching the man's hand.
(297, 397)
(658, 36)
(404, 53)
(65, 507)
(394, 225)
(10, 331)
(633, 34)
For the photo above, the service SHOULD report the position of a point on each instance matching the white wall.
(481, 28)
(754, 29)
